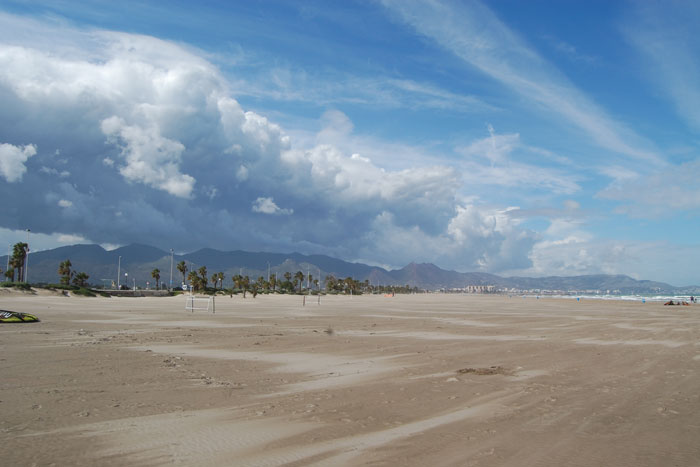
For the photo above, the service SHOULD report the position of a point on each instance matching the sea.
(634, 298)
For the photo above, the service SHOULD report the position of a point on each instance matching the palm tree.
(348, 285)
(273, 281)
(245, 284)
(19, 255)
(156, 275)
(194, 280)
(237, 281)
(182, 267)
(65, 272)
(330, 282)
(299, 277)
(81, 279)
(203, 276)
(219, 277)
(216, 278)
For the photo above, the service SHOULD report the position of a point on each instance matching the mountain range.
(135, 263)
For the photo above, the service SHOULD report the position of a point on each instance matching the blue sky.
(518, 138)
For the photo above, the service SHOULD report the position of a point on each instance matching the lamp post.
(126, 280)
(119, 267)
(26, 261)
(171, 269)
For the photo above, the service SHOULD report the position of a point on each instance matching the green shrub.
(16, 285)
(83, 291)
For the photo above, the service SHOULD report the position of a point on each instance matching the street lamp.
(171, 269)
(126, 280)
(26, 261)
(119, 267)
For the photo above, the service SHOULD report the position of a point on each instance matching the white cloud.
(675, 188)
(211, 192)
(168, 122)
(421, 196)
(150, 158)
(356, 177)
(571, 205)
(580, 254)
(473, 33)
(12, 159)
(242, 173)
(329, 89)
(157, 102)
(493, 161)
(618, 173)
(64, 203)
(71, 239)
(476, 238)
(660, 35)
(37, 241)
(493, 236)
(570, 51)
(54, 172)
(268, 206)
(336, 126)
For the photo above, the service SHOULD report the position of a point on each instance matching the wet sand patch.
(664, 343)
(204, 437)
(324, 371)
(456, 321)
(166, 323)
(431, 335)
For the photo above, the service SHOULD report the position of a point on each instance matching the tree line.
(17, 268)
(288, 283)
(17, 263)
(200, 279)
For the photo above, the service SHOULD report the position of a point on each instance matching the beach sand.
(439, 380)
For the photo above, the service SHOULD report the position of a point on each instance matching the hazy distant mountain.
(429, 276)
(135, 263)
(623, 284)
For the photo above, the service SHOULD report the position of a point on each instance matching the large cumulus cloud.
(134, 139)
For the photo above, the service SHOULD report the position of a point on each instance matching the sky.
(518, 138)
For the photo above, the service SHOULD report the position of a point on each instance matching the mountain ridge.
(136, 261)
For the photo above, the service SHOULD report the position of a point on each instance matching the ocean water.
(637, 298)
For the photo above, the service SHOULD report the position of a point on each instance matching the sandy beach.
(440, 380)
